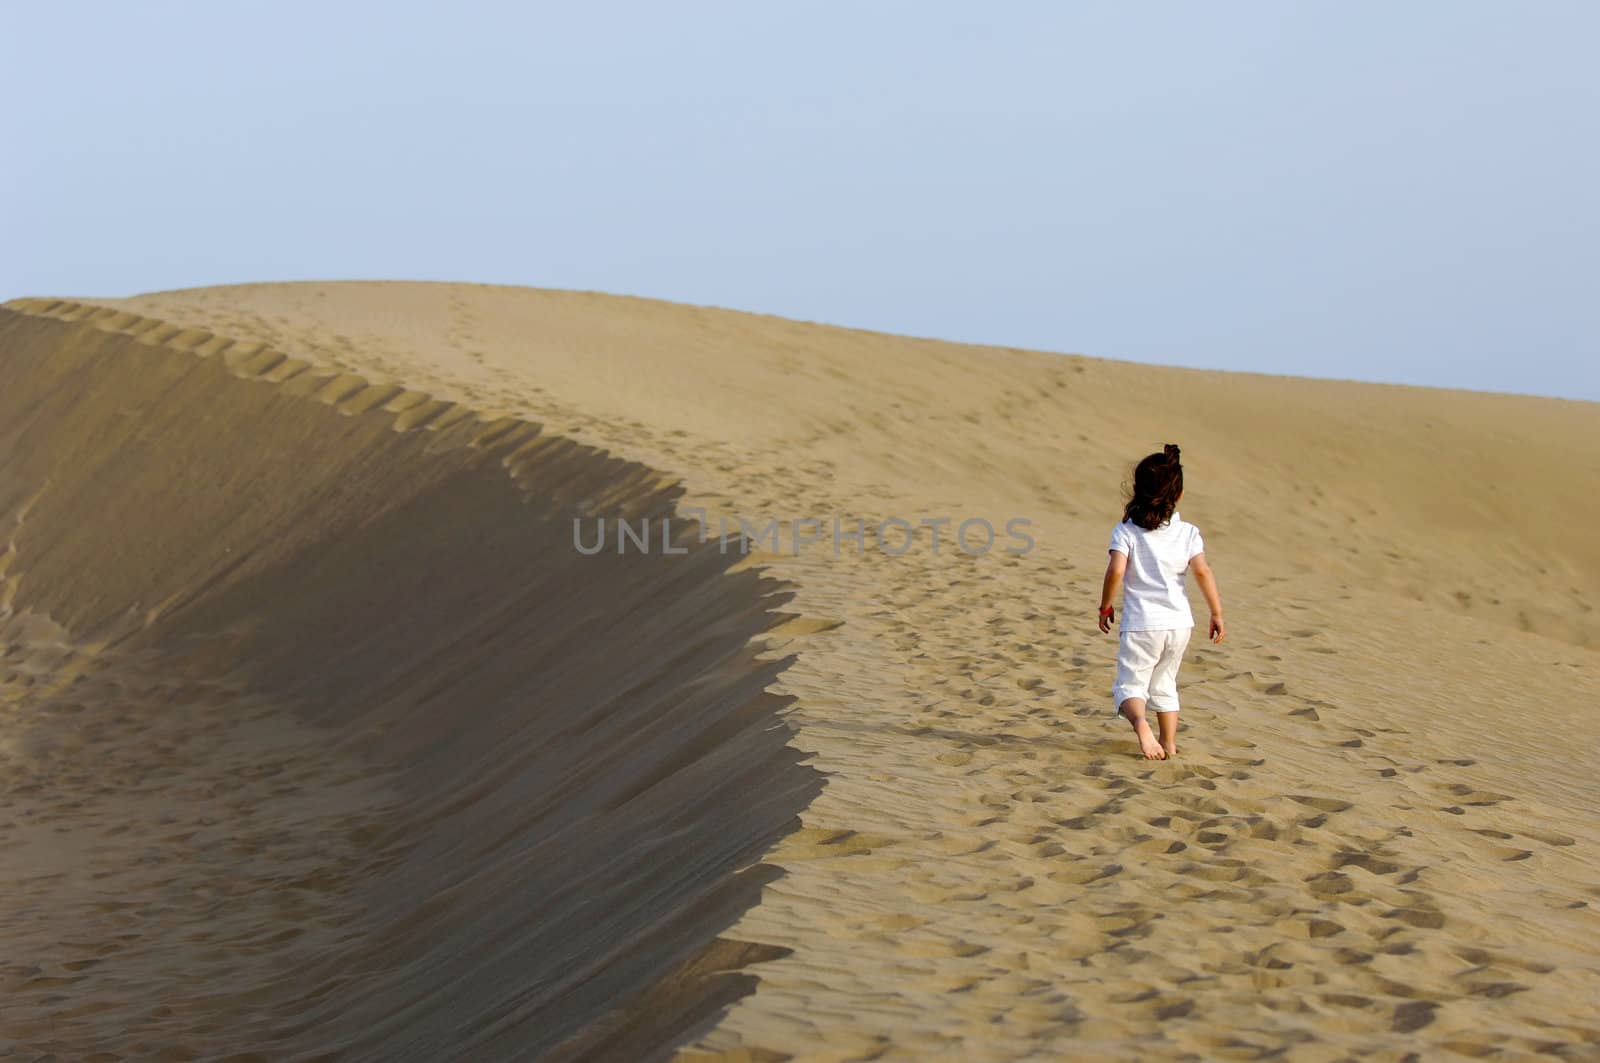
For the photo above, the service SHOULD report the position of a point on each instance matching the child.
(1153, 549)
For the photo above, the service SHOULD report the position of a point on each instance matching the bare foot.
(1171, 748)
(1147, 743)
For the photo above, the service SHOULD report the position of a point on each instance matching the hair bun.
(1170, 451)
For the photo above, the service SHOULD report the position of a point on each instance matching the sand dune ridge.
(314, 739)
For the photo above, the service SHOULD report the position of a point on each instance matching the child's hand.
(1106, 617)
(1218, 630)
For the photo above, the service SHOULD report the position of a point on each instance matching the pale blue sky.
(1379, 191)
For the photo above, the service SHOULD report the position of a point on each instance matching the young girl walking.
(1151, 549)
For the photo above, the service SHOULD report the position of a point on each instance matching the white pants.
(1147, 667)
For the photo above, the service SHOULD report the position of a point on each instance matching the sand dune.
(321, 738)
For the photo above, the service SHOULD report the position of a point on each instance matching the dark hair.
(1157, 483)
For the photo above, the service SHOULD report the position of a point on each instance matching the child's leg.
(1164, 688)
(1133, 709)
(1137, 653)
(1167, 722)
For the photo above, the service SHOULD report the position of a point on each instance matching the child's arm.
(1208, 587)
(1112, 587)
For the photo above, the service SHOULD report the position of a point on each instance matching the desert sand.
(321, 740)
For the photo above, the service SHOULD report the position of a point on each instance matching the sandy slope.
(1380, 838)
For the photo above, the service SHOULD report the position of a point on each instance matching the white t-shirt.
(1152, 588)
